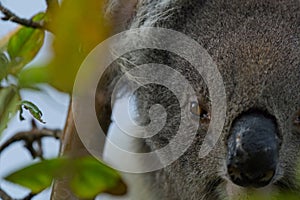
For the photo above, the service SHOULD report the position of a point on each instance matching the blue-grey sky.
(52, 103)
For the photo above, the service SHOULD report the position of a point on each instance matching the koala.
(256, 46)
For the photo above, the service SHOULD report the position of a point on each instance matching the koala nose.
(253, 148)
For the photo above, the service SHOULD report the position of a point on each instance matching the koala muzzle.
(253, 148)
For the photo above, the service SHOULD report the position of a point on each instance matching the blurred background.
(52, 103)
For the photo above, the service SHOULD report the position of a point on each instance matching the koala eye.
(198, 111)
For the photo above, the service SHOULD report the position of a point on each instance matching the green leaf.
(38, 176)
(28, 77)
(9, 105)
(3, 65)
(93, 177)
(4, 40)
(24, 45)
(39, 17)
(78, 27)
(33, 109)
(88, 176)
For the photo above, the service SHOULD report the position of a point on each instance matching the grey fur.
(256, 45)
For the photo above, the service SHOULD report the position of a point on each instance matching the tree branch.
(4, 195)
(31, 136)
(10, 16)
(28, 197)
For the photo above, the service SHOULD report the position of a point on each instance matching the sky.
(52, 103)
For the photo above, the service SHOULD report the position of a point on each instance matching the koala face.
(256, 47)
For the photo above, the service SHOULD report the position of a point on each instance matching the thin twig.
(4, 195)
(28, 197)
(31, 136)
(10, 16)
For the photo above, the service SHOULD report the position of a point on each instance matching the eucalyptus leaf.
(38, 176)
(88, 177)
(3, 65)
(93, 177)
(9, 105)
(31, 76)
(23, 46)
(33, 109)
(75, 37)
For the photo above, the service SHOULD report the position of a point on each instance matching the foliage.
(78, 26)
(88, 177)
(19, 50)
(33, 109)
(24, 45)
(85, 28)
(9, 99)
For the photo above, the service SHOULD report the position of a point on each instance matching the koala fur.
(256, 46)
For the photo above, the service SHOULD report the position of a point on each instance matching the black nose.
(253, 147)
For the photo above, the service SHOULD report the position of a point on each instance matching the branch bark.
(71, 146)
(31, 136)
(10, 16)
(4, 195)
